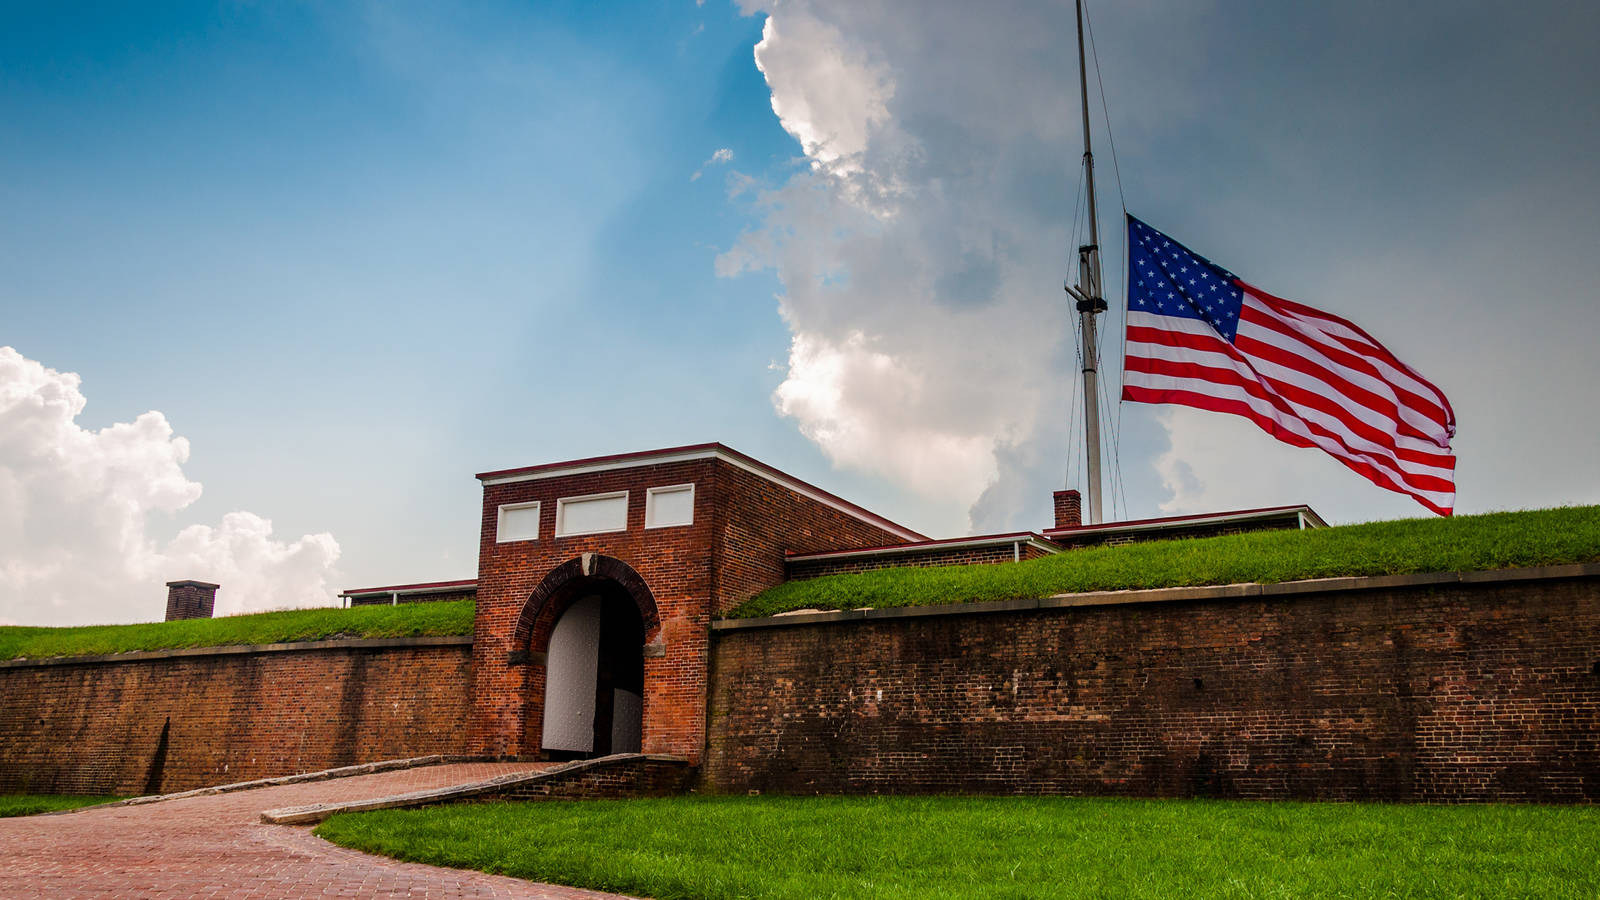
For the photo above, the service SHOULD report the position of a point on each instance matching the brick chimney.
(190, 599)
(1069, 509)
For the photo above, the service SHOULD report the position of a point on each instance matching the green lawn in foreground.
(1464, 543)
(33, 804)
(882, 848)
(404, 620)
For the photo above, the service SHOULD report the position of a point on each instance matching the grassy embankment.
(1493, 541)
(33, 804)
(405, 620)
(1464, 543)
(865, 848)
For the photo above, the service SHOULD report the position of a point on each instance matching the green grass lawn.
(1464, 543)
(767, 848)
(404, 620)
(33, 804)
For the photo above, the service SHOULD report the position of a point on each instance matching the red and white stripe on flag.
(1309, 379)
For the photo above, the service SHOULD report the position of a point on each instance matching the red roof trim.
(1231, 514)
(640, 455)
(427, 585)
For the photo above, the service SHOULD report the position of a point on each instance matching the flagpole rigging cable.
(1111, 137)
(1090, 301)
(1118, 488)
(1116, 430)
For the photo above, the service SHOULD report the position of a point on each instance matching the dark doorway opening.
(594, 689)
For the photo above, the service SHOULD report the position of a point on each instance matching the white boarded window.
(518, 522)
(593, 514)
(666, 506)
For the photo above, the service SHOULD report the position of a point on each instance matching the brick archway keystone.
(569, 578)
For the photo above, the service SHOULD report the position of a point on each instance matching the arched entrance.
(594, 680)
(584, 628)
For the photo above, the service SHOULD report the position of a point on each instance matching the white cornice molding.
(634, 461)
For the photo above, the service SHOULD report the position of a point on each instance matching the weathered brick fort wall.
(169, 721)
(1484, 686)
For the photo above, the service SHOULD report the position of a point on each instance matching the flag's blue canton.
(1166, 278)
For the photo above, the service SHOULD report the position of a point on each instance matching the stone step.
(618, 776)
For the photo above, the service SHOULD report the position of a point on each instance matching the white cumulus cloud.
(75, 509)
(722, 156)
(918, 248)
(828, 91)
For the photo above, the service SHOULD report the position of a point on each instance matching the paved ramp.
(618, 776)
(216, 846)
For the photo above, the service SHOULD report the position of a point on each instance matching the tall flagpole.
(1090, 303)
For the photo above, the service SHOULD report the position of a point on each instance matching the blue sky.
(354, 253)
(357, 255)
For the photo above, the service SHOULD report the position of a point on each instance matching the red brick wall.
(674, 562)
(190, 600)
(743, 525)
(765, 522)
(97, 727)
(1068, 506)
(1445, 692)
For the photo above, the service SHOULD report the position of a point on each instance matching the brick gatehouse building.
(598, 581)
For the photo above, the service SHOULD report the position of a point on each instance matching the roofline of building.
(692, 452)
(429, 587)
(1308, 519)
(1031, 538)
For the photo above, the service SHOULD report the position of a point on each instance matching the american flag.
(1198, 336)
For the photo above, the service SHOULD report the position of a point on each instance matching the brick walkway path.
(216, 847)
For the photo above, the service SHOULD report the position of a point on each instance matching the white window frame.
(500, 522)
(561, 513)
(650, 504)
